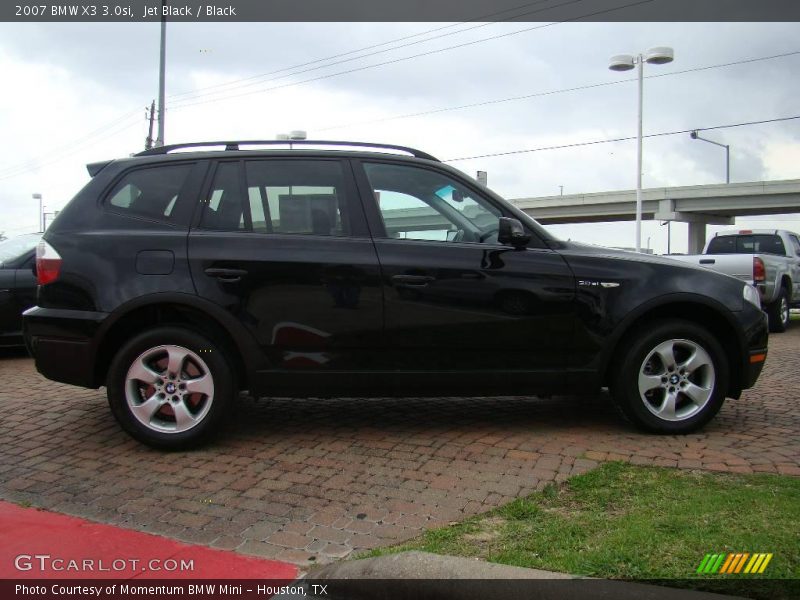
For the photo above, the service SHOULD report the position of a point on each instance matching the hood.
(578, 248)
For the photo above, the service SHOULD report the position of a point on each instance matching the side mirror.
(511, 233)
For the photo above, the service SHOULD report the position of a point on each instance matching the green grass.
(621, 521)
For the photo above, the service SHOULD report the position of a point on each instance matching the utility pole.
(162, 74)
(41, 211)
(148, 143)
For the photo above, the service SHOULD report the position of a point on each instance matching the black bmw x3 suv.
(181, 276)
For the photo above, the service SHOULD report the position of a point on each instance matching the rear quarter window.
(149, 192)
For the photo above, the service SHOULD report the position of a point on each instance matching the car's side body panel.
(328, 315)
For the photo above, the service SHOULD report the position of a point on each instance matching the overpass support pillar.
(697, 237)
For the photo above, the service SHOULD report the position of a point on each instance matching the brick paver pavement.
(314, 480)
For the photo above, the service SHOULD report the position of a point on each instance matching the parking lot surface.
(315, 480)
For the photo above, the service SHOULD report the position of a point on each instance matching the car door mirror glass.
(512, 233)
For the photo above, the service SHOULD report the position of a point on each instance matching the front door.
(283, 245)
(459, 306)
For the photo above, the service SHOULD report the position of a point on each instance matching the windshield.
(12, 249)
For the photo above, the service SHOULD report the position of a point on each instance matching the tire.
(663, 361)
(170, 388)
(778, 312)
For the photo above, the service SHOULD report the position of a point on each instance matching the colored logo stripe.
(734, 563)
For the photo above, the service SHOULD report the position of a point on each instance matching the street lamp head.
(621, 62)
(660, 55)
(37, 196)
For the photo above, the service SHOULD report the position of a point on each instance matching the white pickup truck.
(766, 258)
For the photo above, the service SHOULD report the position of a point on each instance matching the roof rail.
(233, 145)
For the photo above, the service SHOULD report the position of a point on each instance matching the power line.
(406, 58)
(32, 163)
(235, 82)
(74, 149)
(619, 139)
(554, 92)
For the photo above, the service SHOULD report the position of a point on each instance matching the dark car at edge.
(17, 285)
(183, 275)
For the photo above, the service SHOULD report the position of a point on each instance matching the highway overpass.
(697, 205)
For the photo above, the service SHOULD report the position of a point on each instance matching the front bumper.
(755, 364)
(63, 343)
(755, 328)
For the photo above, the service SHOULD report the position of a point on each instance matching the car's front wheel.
(672, 378)
(170, 387)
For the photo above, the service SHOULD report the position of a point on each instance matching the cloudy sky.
(76, 93)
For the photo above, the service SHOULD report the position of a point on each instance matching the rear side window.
(297, 196)
(747, 244)
(151, 192)
(224, 209)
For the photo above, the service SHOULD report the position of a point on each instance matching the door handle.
(412, 280)
(707, 261)
(226, 275)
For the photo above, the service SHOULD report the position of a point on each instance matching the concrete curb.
(421, 575)
(424, 565)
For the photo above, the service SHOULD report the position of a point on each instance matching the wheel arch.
(702, 311)
(178, 309)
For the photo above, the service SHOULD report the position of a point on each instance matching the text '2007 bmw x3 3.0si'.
(177, 279)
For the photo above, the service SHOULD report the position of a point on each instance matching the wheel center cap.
(170, 388)
(674, 379)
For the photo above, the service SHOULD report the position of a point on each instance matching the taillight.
(759, 272)
(48, 263)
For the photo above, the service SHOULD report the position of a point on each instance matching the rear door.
(460, 308)
(282, 244)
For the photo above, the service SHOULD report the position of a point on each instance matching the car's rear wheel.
(170, 387)
(672, 378)
(778, 312)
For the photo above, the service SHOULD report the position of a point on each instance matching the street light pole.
(626, 62)
(41, 212)
(639, 158)
(727, 147)
(162, 67)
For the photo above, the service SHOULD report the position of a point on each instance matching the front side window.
(150, 192)
(422, 204)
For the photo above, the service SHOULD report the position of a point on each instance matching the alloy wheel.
(676, 379)
(784, 310)
(169, 389)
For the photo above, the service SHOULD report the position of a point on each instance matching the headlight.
(750, 294)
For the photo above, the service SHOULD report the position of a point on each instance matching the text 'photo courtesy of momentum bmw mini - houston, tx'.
(346, 268)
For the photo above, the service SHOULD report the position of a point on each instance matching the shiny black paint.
(363, 314)
(476, 306)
